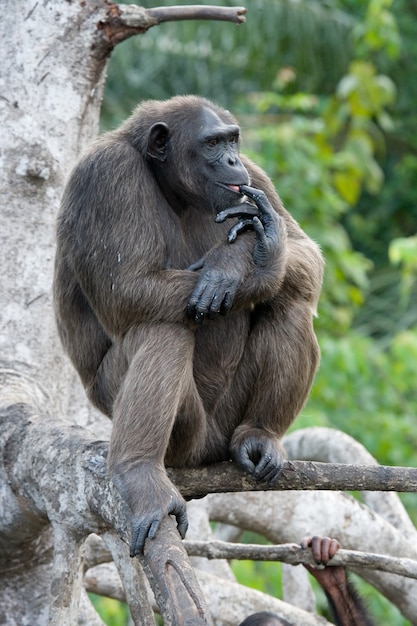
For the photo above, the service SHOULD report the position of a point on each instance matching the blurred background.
(325, 92)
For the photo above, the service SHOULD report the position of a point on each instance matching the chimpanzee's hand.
(323, 548)
(262, 219)
(259, 454)
(151, 497)
(215, 289)
(332, 579)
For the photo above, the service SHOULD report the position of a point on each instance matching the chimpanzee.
(195, 337)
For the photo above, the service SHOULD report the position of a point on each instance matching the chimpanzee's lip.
(235, 187)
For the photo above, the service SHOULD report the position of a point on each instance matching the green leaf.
(404, 250)
(348, 186)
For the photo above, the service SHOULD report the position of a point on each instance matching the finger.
(241, 210)
(239, 227)
(139, 534)
(215, 306)
(269, 217)
(221, 304)
(193, 308)
(316, 548)
(177, 507)
(197, 294)
(262, 466)
(259, 229)
(262, 240)
(334, 547)
(262, 247)
(260, 199)
(244, 461)
(154, 528)
(325, 547)
(199, 317)
(227, 303)
(197, 265)
(203, 294)
(272, 475)
(182, 522)
(269, 222)
(306, 542)
(268, 471)
(191, 305)
(203, 305)
(256, 194)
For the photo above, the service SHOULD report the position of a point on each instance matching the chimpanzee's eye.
(213, 141)
(233, 139)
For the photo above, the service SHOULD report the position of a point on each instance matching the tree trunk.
(54, 58)
(51, 90)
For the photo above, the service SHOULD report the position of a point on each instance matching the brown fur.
(178, 393)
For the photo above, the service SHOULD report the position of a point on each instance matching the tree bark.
(124, 21)
(293, 554)
(297, 475)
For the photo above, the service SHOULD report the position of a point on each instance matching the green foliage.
(382, 611)
(261, 575)
(264, 576)
(378, 31)
(388, 309)
(219, 60)
(404, 251)
(371, 394)
(392, 43)
(112, 612)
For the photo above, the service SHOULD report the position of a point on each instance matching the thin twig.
(198, 12)
(293, 554)
(122, 21)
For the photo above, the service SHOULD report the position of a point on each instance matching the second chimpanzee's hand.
(259, 454)
(322, 548)
(262, 219)
(332, 579)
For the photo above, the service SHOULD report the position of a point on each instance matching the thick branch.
(165, 563)
(123, 21)
(293, 554)
(57, 473)
(226, 477)
(165, 560)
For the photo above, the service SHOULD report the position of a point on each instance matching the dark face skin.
(221, 167)
(212, 147)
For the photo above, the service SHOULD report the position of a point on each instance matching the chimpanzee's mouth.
(235, 188)
(232, 187)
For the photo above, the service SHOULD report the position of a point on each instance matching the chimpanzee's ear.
(158, 141)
